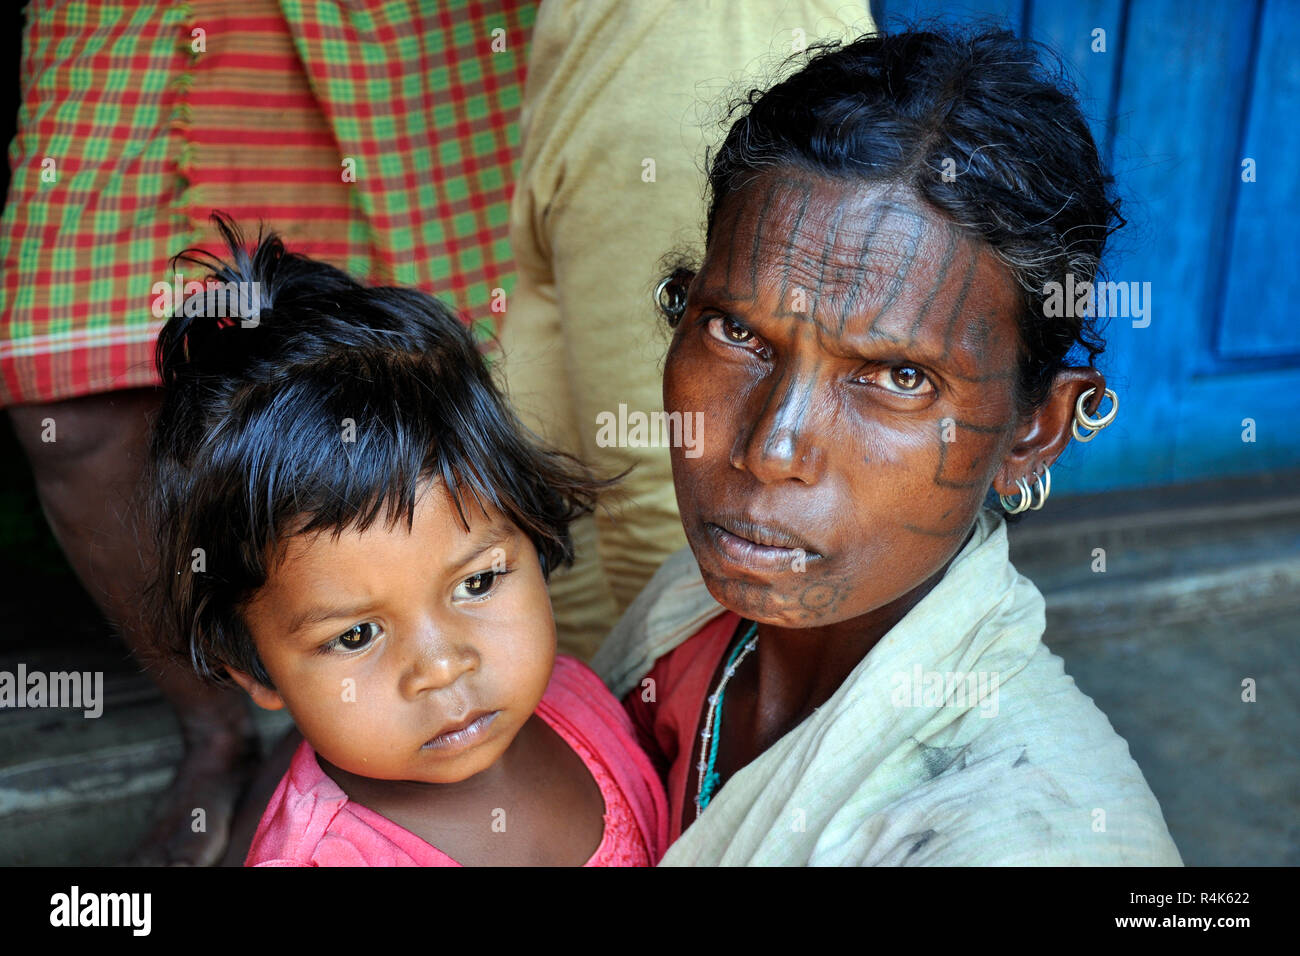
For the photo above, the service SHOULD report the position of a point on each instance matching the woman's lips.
(464, 734)
(736, 543)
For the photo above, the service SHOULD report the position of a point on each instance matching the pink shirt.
(311, 822)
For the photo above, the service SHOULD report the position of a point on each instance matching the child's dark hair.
(996, 112)
(338, 402)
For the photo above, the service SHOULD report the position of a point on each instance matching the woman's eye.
(729, 330)
(908, 379)
(478, 585)
(902, 380)
(355, 637)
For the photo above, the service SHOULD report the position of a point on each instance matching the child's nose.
(437, 663)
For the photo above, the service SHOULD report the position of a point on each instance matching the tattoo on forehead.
(902, 223)
(739, 280)
(979, 331)
(828, 308)
(790, 252)
(810, 311)
(726, 227)
(916, 227)
(945, 264)
(817, 294)
(958, 305)
(905, 226)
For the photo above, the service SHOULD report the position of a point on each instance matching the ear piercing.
(1092, 425)
(1084, 428)
(669, 296)
(1030, 499)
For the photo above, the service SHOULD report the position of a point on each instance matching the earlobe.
(262, 696)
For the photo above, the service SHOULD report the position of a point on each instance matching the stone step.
(1171, 555)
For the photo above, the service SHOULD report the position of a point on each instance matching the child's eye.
(354, 638)
(478, 586)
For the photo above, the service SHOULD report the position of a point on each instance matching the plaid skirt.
(378, 135)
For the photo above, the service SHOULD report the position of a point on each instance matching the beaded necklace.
(709, 779)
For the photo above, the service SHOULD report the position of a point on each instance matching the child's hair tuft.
(334, 403)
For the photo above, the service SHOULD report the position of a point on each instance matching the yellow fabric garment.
(620, 103)
(1007, 762)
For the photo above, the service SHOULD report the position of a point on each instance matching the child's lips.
(464, 733)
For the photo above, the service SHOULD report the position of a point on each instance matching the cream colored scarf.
(958, 739)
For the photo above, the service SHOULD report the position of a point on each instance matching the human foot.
(193, 823)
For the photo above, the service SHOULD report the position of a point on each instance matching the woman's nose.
(437, 660)
(779, 440)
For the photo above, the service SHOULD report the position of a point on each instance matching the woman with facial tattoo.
(844, 667)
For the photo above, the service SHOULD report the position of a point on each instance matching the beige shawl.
(958, 740)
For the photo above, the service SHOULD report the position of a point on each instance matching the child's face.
(385, 645)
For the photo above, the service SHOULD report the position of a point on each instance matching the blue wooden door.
(1196, 108)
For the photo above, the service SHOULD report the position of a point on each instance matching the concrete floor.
(1226, 772)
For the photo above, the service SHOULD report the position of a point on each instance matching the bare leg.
(86, 479)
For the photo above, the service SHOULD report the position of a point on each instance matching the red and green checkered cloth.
(139, 117)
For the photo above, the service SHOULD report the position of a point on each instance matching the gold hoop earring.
(1014, 508)
(1042, 488)
(1092, 425)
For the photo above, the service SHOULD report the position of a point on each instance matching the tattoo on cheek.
(960, 474)
(957, 475)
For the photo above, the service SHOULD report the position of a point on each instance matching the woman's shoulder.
(1056, 784)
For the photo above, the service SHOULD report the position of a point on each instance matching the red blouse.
(668, 726)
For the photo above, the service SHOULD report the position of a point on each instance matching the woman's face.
(412, 655)
(854, 357)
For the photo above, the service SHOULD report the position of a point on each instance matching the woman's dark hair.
(1024, 174)
(332, 402)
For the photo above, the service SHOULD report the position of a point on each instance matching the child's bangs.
(357, 437)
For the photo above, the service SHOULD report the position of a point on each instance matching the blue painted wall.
(1182, 95)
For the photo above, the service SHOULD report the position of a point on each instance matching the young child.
(353, 525)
